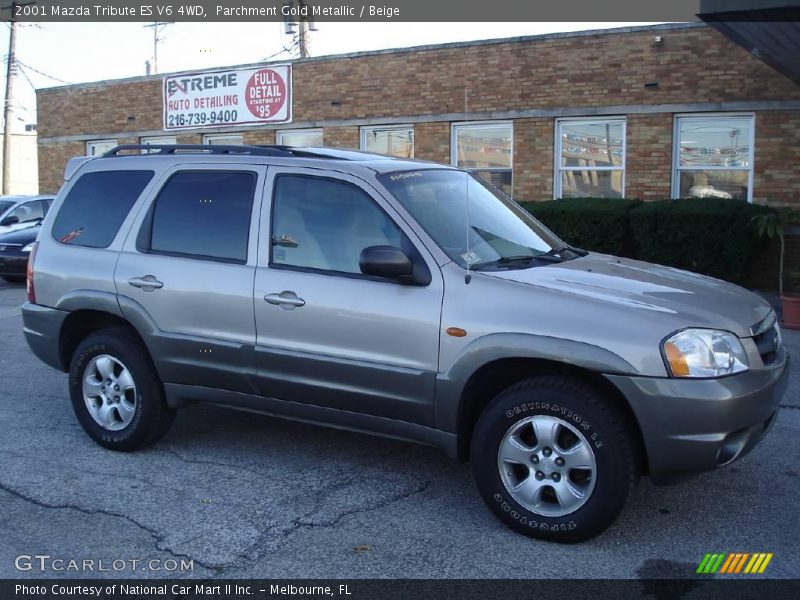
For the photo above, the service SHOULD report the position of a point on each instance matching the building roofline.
(411, 49)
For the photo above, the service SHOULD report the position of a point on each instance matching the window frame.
(558, 169)
(308, 130)
(676, 151)
(210, 136)
(144, 237)
(415, 255)
(152, 140)
(365, 130)
(454, 127)
(89, 143)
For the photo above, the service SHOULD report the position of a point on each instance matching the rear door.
(326, 334)
(186, 274)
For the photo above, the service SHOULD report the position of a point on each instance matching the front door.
(327, 335)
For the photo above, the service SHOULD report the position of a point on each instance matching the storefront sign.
(220, 98)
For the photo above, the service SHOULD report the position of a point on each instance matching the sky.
(57, 53)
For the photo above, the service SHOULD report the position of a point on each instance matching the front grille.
(767, 339)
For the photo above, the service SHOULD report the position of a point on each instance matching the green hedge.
(599, 224)
(712, 236)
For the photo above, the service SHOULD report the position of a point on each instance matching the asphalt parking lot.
(243, 495)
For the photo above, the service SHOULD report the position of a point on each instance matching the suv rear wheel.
(553, 459)
(115, 391)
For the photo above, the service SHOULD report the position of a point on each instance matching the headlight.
(29, 247)
(704, 353)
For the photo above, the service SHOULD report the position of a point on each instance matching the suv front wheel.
(115, 391)
(553, 459)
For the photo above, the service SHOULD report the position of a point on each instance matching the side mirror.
(385, 261)
(10, 221)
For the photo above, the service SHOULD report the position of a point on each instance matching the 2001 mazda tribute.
(395, 297)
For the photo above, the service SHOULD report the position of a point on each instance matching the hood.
(25, 235)
(687, 299)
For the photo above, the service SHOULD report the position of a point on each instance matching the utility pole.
(157, 27)
(11, 69)
(302, 31)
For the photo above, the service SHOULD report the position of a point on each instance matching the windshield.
(5, 205)
(500, 232)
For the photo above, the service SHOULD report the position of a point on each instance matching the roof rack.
(201, 149)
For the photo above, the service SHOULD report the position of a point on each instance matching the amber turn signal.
(456, 332)
(677, 360)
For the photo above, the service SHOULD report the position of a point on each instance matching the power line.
(42, 73)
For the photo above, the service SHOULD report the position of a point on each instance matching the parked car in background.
(15, 247)
(19, 212)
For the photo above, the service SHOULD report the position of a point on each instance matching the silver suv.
(400, 298)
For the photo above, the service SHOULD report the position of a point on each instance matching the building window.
(713, 157)
(590, 158)
(395, 140)
(100, 147)
(158, 140)
(300, 138)
(224, 139)
(484, 149)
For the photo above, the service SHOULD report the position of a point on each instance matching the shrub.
(713, 236)
(598, 224)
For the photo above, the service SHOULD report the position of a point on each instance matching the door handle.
(286, 300)
(148, 283)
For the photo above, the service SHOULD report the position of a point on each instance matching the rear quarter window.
(96, 206)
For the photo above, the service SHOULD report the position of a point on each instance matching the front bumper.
(690, 426)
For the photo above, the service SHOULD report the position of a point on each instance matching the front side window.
(300, 138)
(28, 212)
(204, 214)
(590, 158)
(394, 141)
(96, 206)
(713, 157)
(472, 223)
(324, 224)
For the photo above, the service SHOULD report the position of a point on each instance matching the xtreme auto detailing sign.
(219, 98)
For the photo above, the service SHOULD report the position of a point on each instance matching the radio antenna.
(467, 255)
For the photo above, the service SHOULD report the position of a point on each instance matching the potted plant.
(773, 224)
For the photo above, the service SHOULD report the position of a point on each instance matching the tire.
(14, 278)
(136, 414)
(578, 418)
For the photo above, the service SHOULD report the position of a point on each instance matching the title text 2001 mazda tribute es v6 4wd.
(395, 297)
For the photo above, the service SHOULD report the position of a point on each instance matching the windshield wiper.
(560, 251)
(523, 259)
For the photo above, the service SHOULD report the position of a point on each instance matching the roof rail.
(201, 149)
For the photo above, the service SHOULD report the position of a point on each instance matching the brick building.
(642, 112)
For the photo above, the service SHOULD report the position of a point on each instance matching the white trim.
(303, 131)
(110, 142)
(365, 130)
(558, 169)
(224, 136)
(676, 150)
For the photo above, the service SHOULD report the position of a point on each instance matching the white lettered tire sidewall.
(585, 409)
(152, 417)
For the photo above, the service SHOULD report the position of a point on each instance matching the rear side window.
(96, 206)
(204, 214)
